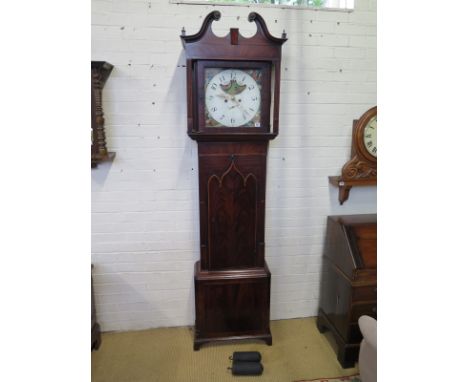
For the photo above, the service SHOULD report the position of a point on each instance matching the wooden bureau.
(349, 281)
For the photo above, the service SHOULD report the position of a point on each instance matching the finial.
(182, 32)
(252, 16)
(216, 15)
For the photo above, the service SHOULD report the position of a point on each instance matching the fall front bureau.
(349, 281)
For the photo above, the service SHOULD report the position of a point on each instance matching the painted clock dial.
(370, 136)
(232, 97)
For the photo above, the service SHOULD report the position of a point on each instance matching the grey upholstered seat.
(368, 351)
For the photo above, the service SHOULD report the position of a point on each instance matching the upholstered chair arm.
(368, 326)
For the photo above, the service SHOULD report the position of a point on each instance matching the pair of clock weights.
(233, 95)
(246, 363)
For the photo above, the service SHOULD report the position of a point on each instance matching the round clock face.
(232, 98)
(370, 136)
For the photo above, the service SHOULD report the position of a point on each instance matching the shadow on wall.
(100, 174)
(290, 189)
(130, 303)
(362, 200)
(189, 166)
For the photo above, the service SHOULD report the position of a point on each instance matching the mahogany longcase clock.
(233, 88)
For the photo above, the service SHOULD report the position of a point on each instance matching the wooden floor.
(299, 351)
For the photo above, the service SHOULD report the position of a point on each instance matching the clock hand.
(223, 96)
(238, 104)
(241, 107)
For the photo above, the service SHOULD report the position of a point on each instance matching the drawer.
(368, 293)
(358, 310)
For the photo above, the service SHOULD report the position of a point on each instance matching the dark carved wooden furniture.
(233, 87)
(100, 71)
(95, 328)
(349, 281)
(361, 169)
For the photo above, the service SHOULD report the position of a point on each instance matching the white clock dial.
(370, 136)
(232, 98)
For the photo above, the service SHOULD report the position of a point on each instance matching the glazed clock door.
(234, 96)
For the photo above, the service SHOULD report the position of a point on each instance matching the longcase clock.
(233, 88)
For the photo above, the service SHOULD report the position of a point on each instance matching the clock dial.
(370, 136)
(232, 97)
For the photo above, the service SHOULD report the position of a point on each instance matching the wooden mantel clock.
(233, 89)
(361, 169)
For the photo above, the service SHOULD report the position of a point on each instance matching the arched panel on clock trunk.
(232, 216)
(232, 204)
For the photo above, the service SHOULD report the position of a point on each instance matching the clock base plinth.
(199, 341)
(232, 305)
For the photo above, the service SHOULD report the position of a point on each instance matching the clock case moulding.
(361, 169)
(232, 279)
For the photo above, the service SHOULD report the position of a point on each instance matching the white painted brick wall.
(144, 204)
